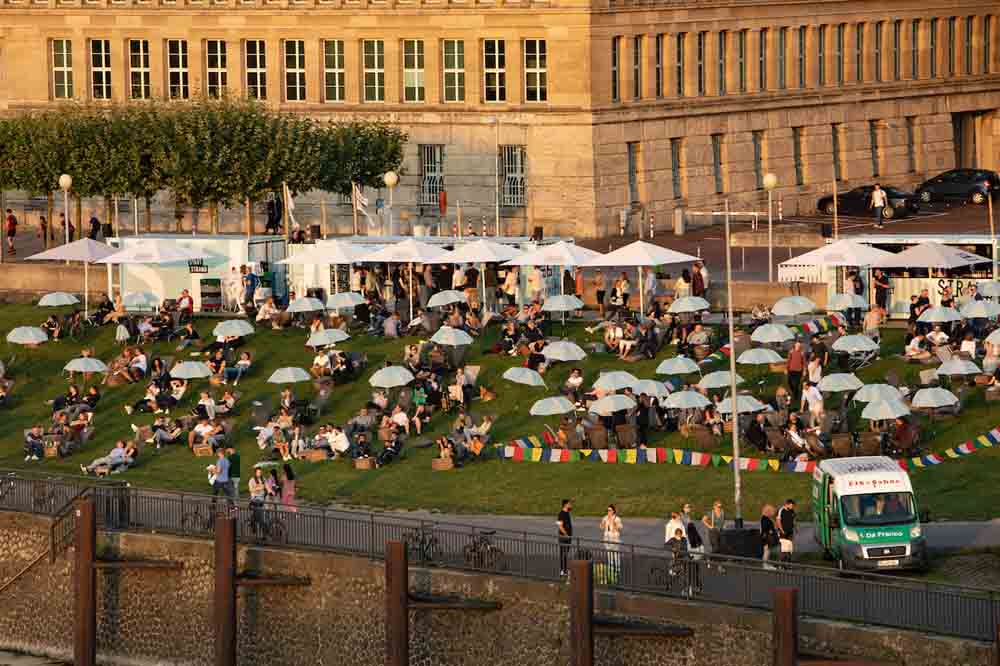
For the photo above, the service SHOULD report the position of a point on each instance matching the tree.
(359, 152)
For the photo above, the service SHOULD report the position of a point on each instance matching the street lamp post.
(391, 178)
(770, 182)
(65, 183)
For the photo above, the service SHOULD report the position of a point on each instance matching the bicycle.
(481, 552)
(199, 519)
(44, 498)
(265, 525)
(422, 545)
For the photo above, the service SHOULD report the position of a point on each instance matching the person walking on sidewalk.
(786, 529)
(565, 525)
(611, 526)
(10, 228)
(878, 204)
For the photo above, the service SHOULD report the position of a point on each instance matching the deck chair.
(776, 440)
(870, 444)
(626, 436)
(842, 445)
(858, 360)
(703, 437)
(597, 436)
(928, 377)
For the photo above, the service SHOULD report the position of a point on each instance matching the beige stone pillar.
(195, 63)
(433, 68)
(923, 37)
(691, 65)
(733, 60)
(977, 45)
(812, 56)
(772, 58)
(941, 40)
(157, 68)
(906, 51)
(649, 67)
(754, 39)
(352, 72)
(711, 60)
(625, 67)
(314, 71)
(869, 52)
(515, 72)
(670, 64)
(394, 72)
(275, 61)
(235, 78)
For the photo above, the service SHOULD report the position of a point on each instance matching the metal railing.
(860, 597)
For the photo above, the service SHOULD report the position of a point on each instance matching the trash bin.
(314, 231)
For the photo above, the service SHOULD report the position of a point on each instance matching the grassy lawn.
(962, 489)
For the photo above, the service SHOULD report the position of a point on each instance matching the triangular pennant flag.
(716, 460)
(630, 456)
(612, 456)
(519, 453)
(640, 456)
(678, 456)
(535, 441)
(903, 465)
(686, 458)
(727, 459)
(603, 454)
(661, 456)
(548, 438)
(774, 464)
(951, 453)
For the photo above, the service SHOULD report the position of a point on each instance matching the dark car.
(969, 185)
(858, 202)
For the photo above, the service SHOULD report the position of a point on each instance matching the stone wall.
(25, 282)
(164, 617)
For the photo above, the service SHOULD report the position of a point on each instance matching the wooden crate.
(51, 450)
(992, 395)
(779, 368)
(983, 379)
(315, 455)
(202, 450)
(441, 464)
(364, 463)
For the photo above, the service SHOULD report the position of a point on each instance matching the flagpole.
(354, 205)
(737, 482)
(284, 209)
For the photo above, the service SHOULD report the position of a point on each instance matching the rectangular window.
(933, 47)
(675, 167)
(839, 51)
(632, 149)
(762, 59)
(838, 166)
(431, 173)
(702, 36)
(951, 45)
(454, 70)
(333, 71)
(878, 50)
(681, 38)
(637, 67)
(821, 55)
(968, 44)
(413, 70)
(536, 72)
(987, 47)
(373, 57)
(177, 69)
(897, 50)
(62, 69)
(757, 137)
(295, 70)
(873, 143)
(723, 38)
(100, 68)
(801, 59)
(717, 163)
(616, 54)
(915, 49)
(800, 178)
(741, 59)
(782, 54)
(513, 167)
(138, 69)
(495, 70)
(859, 52)
(659, 66)
(215, 67)
(256, 68)
(911, 143)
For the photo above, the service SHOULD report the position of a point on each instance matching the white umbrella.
(551, 407)
(190, 370)
(638, 254)
(939, 315)
(772, 333)
(391, 377)
(932, 255)
(744, 404)
(344, 300)
(678, 365)
(27, 335)
(980, 310)
(792, 305)
(562, 303)
(86, 364)
(884, 410)
(233, 328)
(610, 404)
(326, 337)
(846, 302)
(328, 252)
(525, 376)
(689, 304)
(855, 344)
(57, 299)
(840, 381)
(933, 398)
(563, 350)
(410, 252)
(718, 379)
(85, 251)
(446, 297)
(557, 254)
(451, 337)
(877, 392)
(759, 356)
(841, 253)
(155, 252)
(288, 376)
(483, 251)
(989, 288)
(686, 400)
(994, 337)
(651, 387)
(957, 366)
(140, 300)
(305, 304)
(616, 380)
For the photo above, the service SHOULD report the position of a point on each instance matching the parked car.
(969, 185)
(856, 202)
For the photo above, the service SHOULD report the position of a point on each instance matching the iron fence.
(859, 597)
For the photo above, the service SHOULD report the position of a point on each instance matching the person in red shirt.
(10, 226)
(796, 365)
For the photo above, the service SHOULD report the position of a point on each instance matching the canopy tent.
(688, 304)
(790, 306)
(563, 350)
(84, 250)
(57, 299)
(678, 365)
(483, 251)
(552, 406)
(933, 255)
(525, 376)
(288, 376)
(557, 254)
(772, 333)
(640, 254)
(409, 252)
(610, 404)
(841, 253)
(151, 252)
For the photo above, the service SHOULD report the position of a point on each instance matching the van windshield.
(877, 509)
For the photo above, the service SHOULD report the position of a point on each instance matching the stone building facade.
(570, 112)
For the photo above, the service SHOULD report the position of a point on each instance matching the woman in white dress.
(611, 525)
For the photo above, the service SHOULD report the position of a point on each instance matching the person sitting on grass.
(361, 447)
(165, 431)
(188, 336)
(235, 373)
(937, 337)
(53, 326)
(206, 432)
(916, 350)
(120, 456)
(321, 365)
(206, 406)
(226, 404)
(34, 444)
(399, 420)
(391, 451)
(217, 364)
(72, 397)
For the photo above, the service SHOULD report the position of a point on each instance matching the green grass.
(962, 489)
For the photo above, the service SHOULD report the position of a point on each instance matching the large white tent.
(410, 252)
(334, 252)
(483, 251)
(557, 254)
(641, 254)
(841, 253)
(933, 255)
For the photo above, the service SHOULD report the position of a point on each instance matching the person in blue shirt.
(250, 284)
(222, 483)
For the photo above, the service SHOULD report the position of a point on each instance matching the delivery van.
(866, 516)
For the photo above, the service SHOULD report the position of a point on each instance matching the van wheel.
(828, 208)
(925, 196)
(888, 213)
(978, 198)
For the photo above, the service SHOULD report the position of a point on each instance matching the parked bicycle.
(422, 545)
(265, 525)
(482, 553)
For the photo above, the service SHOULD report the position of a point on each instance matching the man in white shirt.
(812, 397)
(879, 201)
(937, 337)
(390, 327)
(458, 277)
(137, 366)
(339, 443)
(356, 279)
(916, 350)
(185, 304)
